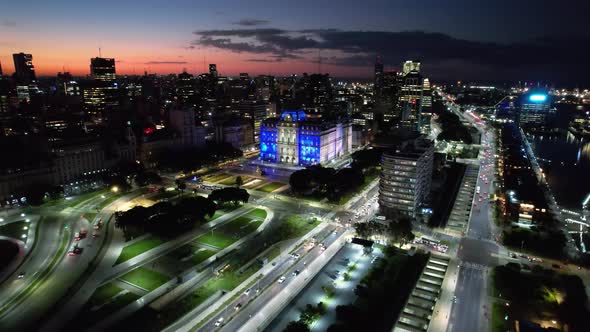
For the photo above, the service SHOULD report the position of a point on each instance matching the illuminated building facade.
(535, 109)
(294, 139)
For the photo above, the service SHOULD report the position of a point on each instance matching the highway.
(477, 252)
(269, 286)
(63, 274)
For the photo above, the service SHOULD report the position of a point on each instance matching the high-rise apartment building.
(406, 176)
(24, 69)
(535, 108)
(378, 83)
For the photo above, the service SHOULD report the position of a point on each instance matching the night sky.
(457, 39)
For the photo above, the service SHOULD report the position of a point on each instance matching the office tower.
(213, 70)
(295, 139)
(378, 82)
(406, 175)
(101, 94)
(415, 98)
(66, 85)
(24, 69)
(103, 69)
(411, 66)
(535, 108)
(185, 87)
(4, 95)
(183, 121)
(256, 112)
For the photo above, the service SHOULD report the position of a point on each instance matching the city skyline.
(281, 39)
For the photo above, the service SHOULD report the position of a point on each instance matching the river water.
(565, 161)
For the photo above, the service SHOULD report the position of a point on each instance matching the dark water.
(567, 162)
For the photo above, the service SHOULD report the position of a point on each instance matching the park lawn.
(14, 230)
(108, 201)
(104, 293)
(138, 248)
(296, 226)
(228, 181)
(271, 187)
(240, 226)
(499, 323)
(202, 255)
(218, 240)
(216, 178)
(90, 216)
(253, 183)
(111, 307)
(77, 200)
(257, 213)
(145, 278)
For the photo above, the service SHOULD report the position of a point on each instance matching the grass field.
(216, 178)
(296, 226)
(14, 230)
(240, 226)
(145, 278)
(499, 312)
(77, 200)
(218, 239)
(202, 255)
(271, 187)
(257, 213)
(254, 183)
(104, 293)
(104, 311)
(137, 248)
(108, 201)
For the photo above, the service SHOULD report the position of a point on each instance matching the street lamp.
(115, 189)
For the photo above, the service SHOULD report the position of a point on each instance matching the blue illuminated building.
(295, 139)
(535, 109)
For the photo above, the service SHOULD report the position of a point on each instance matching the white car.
(282, 279)
(219, 321)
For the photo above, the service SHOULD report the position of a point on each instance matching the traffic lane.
(268, 279)
(274, 288)
(465, 311)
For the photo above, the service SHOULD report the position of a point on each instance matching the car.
(247, 292)
(95, 234)
(21, 275)
(296, 256)
(282, 279)
(219, 321)
(238, 306)
(75, 250)
(77, 236)
(296, 273)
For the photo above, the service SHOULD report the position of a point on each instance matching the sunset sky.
(458, 39)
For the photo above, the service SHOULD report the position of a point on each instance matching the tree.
(180, 184)
(296, 326)
(400, 230)
(226, 195)
(239, 181)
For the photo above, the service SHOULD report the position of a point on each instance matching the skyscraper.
(411, 66)
(378, 83)
(535, 108)
(406, 176)
(0, 68)
(415, 100)
(103, 69)
(213, 70)
(24, 69)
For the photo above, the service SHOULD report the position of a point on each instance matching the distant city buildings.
(406, 176)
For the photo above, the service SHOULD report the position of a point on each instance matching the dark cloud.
(265, 60)
(8, 23)
(251, 22)
(359, 48)
(165, 63)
